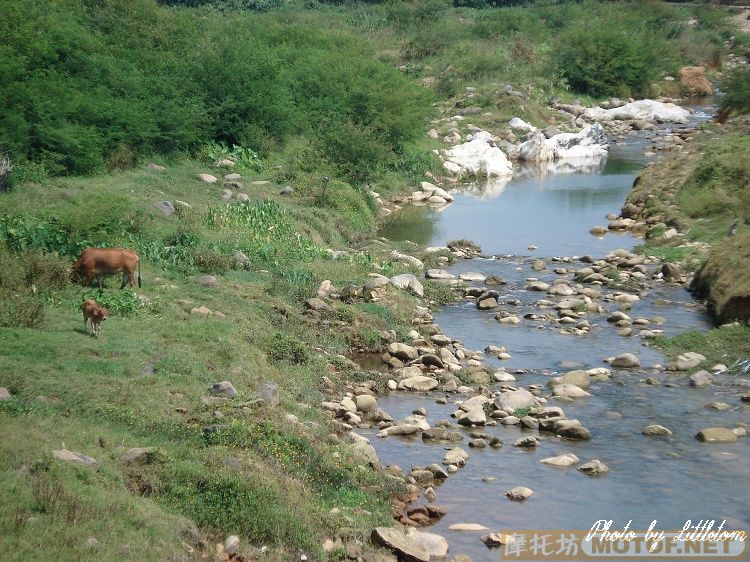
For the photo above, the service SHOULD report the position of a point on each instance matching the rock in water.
(716, 435)
(478, 158)
(626, 361)
(561, 460)
(655, 430)
(520, 493)
(594, 468)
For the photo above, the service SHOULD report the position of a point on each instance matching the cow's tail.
(139, 272)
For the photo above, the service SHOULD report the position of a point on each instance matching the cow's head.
(101, 314)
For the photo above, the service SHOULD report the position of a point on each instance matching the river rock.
(701, 379)
(439, 274)
(473, 417)
(487, 303)
(467, 527)
(578, 378)
(456, 456)
(594, 468)
(402, 351)
(569, 391)
(561, 460)
(408, 281)
(648, 110)
(716, 435)
(515, 399)
(575, 433)
(626, 361)
(420, 383)
(655, 430)
(478, 158)
(366, 403)
(688, 360)
(520, 493)
(590, 143)
(410, 544)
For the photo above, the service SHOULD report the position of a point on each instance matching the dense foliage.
(104, 82)
(736, 88)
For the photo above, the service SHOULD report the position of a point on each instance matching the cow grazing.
(97, 262)
(96, 313)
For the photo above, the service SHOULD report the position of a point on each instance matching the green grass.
(288, 477)
(720, 345)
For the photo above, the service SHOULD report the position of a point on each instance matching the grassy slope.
(287, 477)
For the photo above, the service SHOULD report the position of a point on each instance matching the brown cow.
(96, 312)
(96, 262)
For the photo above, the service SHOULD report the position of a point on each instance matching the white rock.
(478, 158)
(561, 460)
(518, 124)
(649, 110)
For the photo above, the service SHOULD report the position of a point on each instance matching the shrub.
(604, 61)
(285, 347)
(736, 98)
(119, 303)
(20, 309)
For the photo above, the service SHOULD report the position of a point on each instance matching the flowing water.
(669, 480)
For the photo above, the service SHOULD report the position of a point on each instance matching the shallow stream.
(666, 479)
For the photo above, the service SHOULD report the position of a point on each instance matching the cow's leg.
(124, 279)
(85, 325)
(95, 327)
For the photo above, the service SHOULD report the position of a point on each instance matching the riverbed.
(668, 479)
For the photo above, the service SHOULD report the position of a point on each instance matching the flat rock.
(72, 456)
(137, 453)
(4, 393)
(420, 383)
(467, 527)
(561, 460)
(716, 435)
(207, 178)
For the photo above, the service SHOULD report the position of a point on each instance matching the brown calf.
(96, 312)
(96, 262)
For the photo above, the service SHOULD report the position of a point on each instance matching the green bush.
(119, 303)
(736, 87)
(605, 61)
(285, 347)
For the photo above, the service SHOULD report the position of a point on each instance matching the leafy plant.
(284, 347)
(245, 159)
(119, 303)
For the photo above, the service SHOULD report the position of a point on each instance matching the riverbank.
(695, 203)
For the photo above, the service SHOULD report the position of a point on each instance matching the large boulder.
(515, 399)
(408, 281)
(411, 545)
(649, 110)
(590, 143)
(478, 158)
